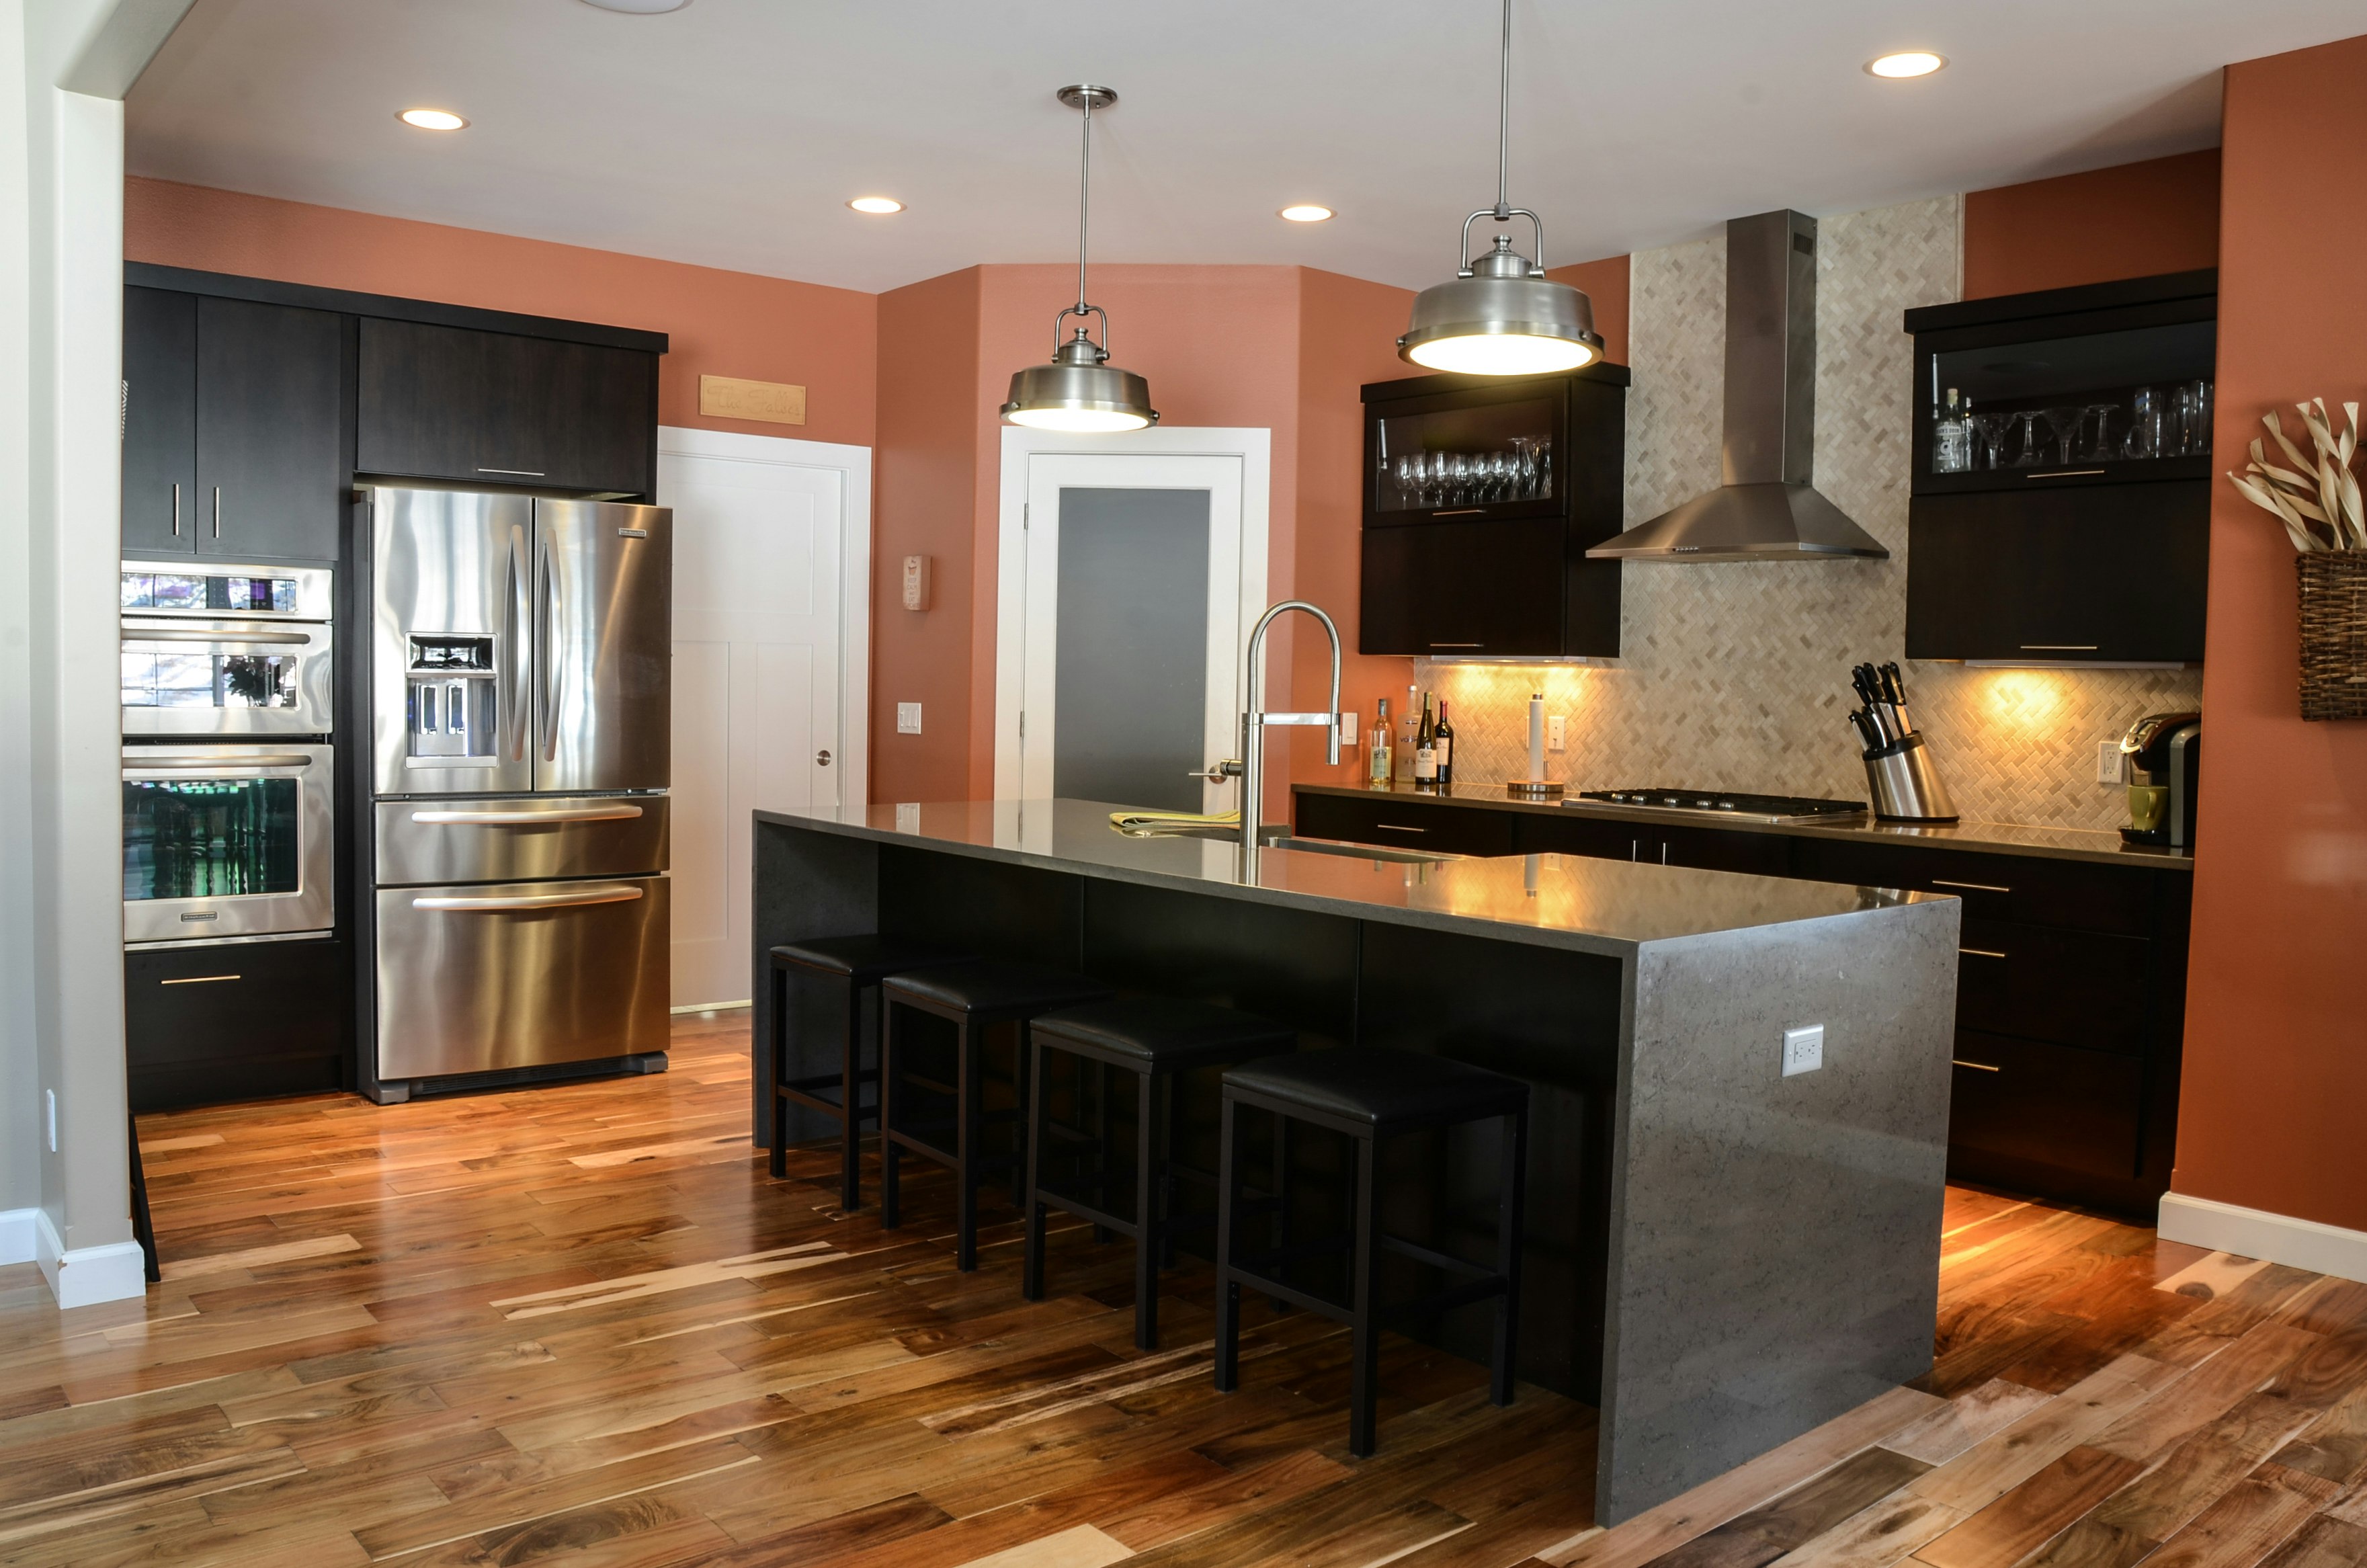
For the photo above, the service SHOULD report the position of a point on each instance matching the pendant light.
(1501, 315)
(1081, 390)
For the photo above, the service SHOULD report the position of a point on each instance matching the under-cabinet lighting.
(432, 120)
(1905, 63)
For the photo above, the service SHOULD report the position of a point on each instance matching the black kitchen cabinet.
(217, 1023)
(1653, 843)
(1406, 822)
(233, 427)
(503, 408)
(2040, 1107)
(2081, 535)
(1486, 557)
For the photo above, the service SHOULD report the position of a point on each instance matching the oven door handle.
(526, 901)
(526, 819)
(277, 639)
(214, 767)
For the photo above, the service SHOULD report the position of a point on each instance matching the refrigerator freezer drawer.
(481, 978)
(520, 840)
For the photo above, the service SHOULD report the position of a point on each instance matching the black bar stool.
(1157, 1040)
(1369, 1095)
(973, 998)
(859, 963)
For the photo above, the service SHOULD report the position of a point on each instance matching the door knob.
(822, 758)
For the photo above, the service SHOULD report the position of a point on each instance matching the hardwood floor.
(578, 1326)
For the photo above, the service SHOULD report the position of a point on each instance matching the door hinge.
(1023, 726)
(1026, 515)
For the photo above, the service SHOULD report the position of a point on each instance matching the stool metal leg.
(1147, 1232)
(1281, 1242)
(891, 1151)
(1229, 1290)
(1365, 1354)
(850, 1096)
(779, 1162)
(1508, 1254)
(1031, 1272)
(966, 1143)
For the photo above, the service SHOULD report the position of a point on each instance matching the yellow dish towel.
(1144, 824)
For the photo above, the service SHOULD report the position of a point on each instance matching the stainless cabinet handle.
(176, 510)
(1399, 827)
(1976, 1067)
(1458, 644)
(1980, 952)
(521, 473)
(2064, 474)
(2058, 648)
(198, 980)
(527, 901)
(1461, 512)
(526, 819)
(822, 758)
(217, 511)
(1976, 887)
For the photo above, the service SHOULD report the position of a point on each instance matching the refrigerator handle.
(515, 718)
(546, 629)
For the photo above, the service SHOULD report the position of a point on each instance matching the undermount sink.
(1276, 836)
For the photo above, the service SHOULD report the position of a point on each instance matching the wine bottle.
(1376, 755)
(1425, 751)
(1952, 438)
(1405, 723)
(1442, 740)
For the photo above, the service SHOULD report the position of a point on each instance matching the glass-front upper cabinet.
(2097, 395)
(1489, 451)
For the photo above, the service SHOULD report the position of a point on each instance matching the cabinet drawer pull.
(2058, 648)
(1399, 827)
(1458, 644)
(198, 980)
(217, 511)
(176, 510)
(1976, 887)
(1981, 952)
(1976, 1067)
(2064, 474)
(1461, 512)
(521, 473)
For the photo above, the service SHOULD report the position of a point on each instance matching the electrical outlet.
(908, 816)
(1804, 1050)
(1555, 732)
(2111, 767)
(908, 718)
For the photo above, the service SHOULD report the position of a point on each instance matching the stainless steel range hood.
(1766, 511)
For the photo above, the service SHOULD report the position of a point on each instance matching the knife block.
(1906, 784)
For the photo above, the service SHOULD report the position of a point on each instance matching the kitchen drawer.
(2029, 890)
(216, 1023)
(1407, 822)
(520, 840)
(1570, 833)
(1655, 842)
(2051, 1105)
(2041, 983)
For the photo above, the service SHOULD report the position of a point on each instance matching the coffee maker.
(2162, 753)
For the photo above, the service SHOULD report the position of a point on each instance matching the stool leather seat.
(997, 987)
(1155, 1030)
(865, 958)
(1380, 1086)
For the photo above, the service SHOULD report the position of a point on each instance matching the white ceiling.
(730, 132)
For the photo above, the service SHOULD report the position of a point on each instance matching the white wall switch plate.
(908, 718)
(2111, 767)
(1555, 730)
(1348, 728)
(1804, 1050)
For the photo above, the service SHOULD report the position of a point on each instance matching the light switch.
(1804, 1050)
(908, 718)
(2111, 767)
(1554, 732)
(1348, 728)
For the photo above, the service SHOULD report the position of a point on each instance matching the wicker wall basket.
(2333, 633)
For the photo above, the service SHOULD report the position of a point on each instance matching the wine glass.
(2064, 423)
(2032, 453)
(1545, 466)
(1408, 478)
(1993, 428)
(1508, 476)
(1524, 467)
(2105, 448)
(1436, 489)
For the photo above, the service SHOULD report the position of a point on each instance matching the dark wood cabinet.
(2081, 533)
(209, 1025)
(501, 408)
(2070, 974)
(233, 427)
(1489, 560)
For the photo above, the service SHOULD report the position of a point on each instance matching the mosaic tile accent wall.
(1736, 676)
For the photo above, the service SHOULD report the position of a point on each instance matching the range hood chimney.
(1766, 511)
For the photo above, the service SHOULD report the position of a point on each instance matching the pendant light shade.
(1501, 315)
(1081, 390)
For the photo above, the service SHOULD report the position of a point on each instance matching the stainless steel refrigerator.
(520, 740)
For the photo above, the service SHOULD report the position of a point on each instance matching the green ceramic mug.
(2148, 804)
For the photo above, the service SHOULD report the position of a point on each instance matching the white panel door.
(759, 584)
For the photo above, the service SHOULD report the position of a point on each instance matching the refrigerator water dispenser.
(452, 717)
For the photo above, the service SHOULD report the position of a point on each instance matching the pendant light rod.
(1085, 199)
(1505, 122)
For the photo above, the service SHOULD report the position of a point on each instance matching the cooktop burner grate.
(1727, 803)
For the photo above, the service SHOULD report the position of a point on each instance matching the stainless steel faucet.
(1250, 766)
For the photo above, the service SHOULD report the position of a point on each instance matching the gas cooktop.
(1726, 803)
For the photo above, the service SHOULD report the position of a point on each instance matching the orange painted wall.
(1604, 283)
(2276, 1035)
(925, 482)
(2130, 221)
(724, 324)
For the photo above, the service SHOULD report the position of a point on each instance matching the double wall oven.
(229, 771)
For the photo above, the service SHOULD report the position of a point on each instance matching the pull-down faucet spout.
(1254, 719)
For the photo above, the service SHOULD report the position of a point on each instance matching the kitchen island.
(1719, 1256)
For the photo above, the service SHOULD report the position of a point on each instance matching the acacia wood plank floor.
(578, 1326)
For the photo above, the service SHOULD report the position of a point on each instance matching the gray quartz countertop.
(1603, 906)
(1990, 837)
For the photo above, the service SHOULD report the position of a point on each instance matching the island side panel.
(1292, 966)
(805, 884)
(1775, 1241)
(1016, 914)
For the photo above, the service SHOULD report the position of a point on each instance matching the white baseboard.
(17, 1235)
(87, 1275)
(2256, 1232)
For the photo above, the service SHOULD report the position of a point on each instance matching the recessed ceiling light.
(1907, 62)
(639, 8)
(1307, 213)
(877, 204)
(432, 119)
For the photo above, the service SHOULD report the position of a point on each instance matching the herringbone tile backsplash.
(1736, 676)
